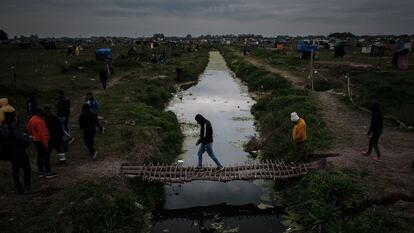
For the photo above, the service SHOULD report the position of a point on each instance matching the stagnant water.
(223, 207)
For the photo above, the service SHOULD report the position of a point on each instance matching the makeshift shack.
(377, 50)
(305, 49)
(280, 44)
(48, 44)
(366, 50)
(103, 53)
(349, 49)
(400, 59)
(25, 45)
(339, 49)
(407, 45)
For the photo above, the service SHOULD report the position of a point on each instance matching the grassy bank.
(320, 201)
(277, 99)
(328, 202)
(138, 130)
(374, 80)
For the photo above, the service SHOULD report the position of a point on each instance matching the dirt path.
(82, 167)
(345, 63)
(79, 166)
(394, 174)
(296, 81)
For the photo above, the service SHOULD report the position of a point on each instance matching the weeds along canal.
(204, 206)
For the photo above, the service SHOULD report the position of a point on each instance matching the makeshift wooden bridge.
(269, 170)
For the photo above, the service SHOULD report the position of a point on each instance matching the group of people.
(48, 132)
(299, 134)
(299, 137)
(158, 57)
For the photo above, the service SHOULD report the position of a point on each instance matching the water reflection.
(224, 101)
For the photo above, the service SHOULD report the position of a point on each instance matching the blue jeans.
(64, 121)
(209, 148)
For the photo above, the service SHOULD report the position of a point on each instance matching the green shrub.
(322, 198)
(273, 111)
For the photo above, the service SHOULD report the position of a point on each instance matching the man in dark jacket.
(88, 122)
(205, 141)
(375, 130)
(55, 135)
(14, 144)
(63, 113)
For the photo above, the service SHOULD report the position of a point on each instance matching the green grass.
(138, 130)
(325, 202)
(102, 205)
(390, 88)
(272, 111)
(320, 201)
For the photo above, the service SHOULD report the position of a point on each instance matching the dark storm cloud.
(121, 17)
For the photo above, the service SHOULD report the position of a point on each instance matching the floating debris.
(263, 206)
(243, 118)
(239, 144)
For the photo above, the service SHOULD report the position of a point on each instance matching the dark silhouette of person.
(375, 131)
(205, 141)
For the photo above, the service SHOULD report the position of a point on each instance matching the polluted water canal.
(207, 206)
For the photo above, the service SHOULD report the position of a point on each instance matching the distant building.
(158, 37)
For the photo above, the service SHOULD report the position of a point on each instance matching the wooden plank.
(267, 169)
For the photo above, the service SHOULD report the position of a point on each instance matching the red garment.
(38, 129)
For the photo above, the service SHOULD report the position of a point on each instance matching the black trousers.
(373, 143)
(43, 157)
(298, 150)
(22, 163)
(89, 141)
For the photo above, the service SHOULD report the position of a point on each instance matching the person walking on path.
(14, 144)
(205, 141)
(88, 122)
(106, 72)
(104, 78)
(63, 113)
(299, 136)
(38, 130)
(93, 104)
(6, 111)
(55, 135)
(375, 131)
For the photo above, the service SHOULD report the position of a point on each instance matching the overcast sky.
(181, 17)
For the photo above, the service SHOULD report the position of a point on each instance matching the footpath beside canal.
(334, 200)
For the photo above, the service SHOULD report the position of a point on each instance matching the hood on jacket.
(200, 119)
(4, 102)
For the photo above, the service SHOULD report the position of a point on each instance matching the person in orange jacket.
(40, 134)
(298, 135)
